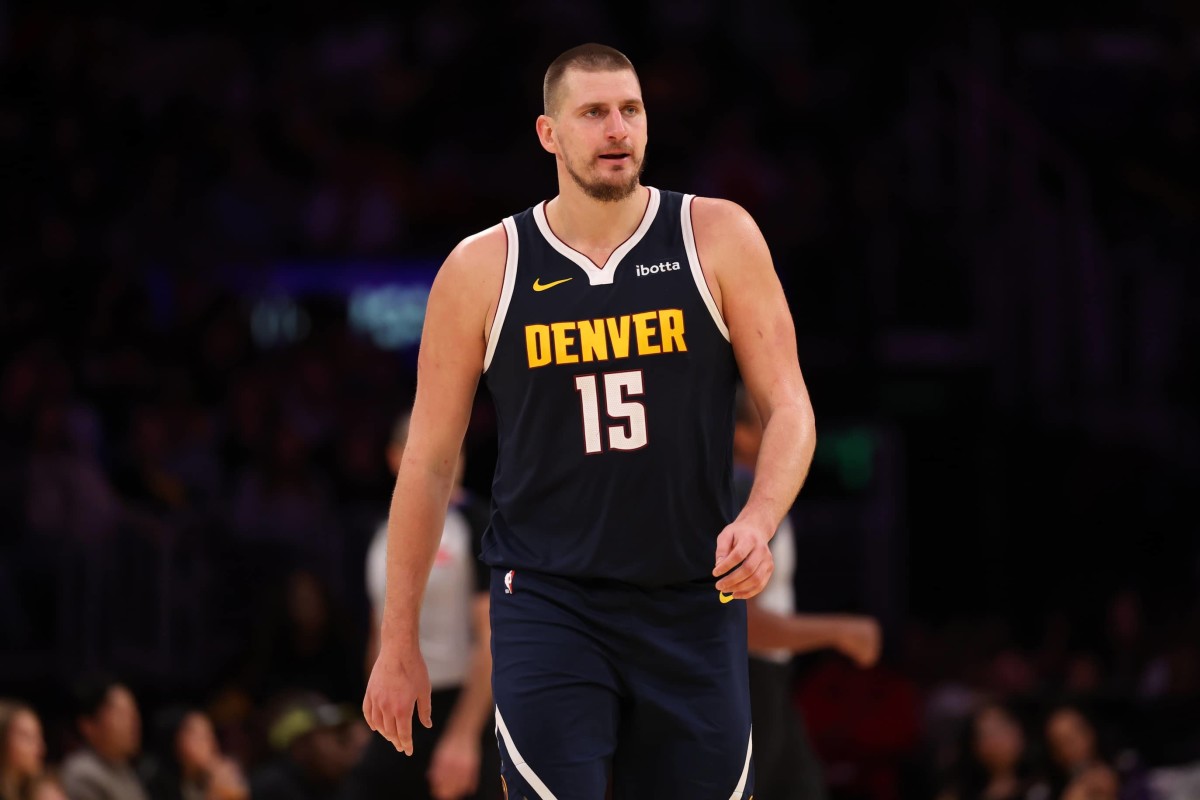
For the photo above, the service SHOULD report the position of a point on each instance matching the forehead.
(615, 86)
(24, 720)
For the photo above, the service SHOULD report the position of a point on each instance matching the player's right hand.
(860, 640)
(399, 680)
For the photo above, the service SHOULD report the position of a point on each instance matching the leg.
(557, 700)
(687, 733)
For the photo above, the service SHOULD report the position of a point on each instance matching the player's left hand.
(454, 768)
(743, 543)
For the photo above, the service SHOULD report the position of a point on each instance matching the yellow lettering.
(592, 343)
(618, 334)
(537, 344)
(563, 340)
(671, 322)
(641, 324)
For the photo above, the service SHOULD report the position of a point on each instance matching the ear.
(545, 132)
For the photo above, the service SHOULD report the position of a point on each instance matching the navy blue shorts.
(596, 677)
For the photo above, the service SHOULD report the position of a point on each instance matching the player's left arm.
(737, 265)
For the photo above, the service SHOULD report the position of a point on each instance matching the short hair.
(586, 57)
(90, 693)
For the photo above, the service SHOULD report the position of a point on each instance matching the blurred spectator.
(864, 724)
(70, 499)
(281, 504)
(993, 759)
(47, 787)
(317, 743)
(303, 642)
(109, 721)
(1078, 771)
(22, 750)
(188, 763)
(1127, 646)
(458, 757)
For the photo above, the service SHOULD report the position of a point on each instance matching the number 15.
(617, 387)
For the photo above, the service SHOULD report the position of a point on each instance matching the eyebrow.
(632, 101)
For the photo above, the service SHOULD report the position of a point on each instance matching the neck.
(108, 756)
(579, 219)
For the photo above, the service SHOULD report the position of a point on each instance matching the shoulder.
(713, 214)
(468, 283)
(81, 762)
(478, 256)
(727, 237)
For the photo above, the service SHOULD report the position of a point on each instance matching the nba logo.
(508, 578)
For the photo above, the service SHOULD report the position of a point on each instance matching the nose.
(615, 127)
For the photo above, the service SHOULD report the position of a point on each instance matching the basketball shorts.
(598, 680)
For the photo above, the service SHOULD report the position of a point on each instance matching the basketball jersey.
(613, 389)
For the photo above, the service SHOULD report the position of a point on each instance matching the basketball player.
(785, 766)
(610, 323)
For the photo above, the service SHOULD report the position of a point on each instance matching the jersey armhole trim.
(693, 256)
(506, 293)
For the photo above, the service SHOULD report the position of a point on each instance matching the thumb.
(425, 709)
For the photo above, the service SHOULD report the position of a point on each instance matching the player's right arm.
(453, 341)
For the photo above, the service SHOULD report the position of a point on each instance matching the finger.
(425, 708)
(404, 729)
(754, 581)
(724, 543)
(736, 579)
(368, 709)
(738, 551)
(387, 727)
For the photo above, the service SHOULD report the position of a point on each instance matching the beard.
(605, 191)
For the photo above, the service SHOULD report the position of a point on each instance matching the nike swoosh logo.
(725, 597)
(538, 286)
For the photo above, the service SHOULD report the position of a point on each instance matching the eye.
(592, 112)
(631, 110)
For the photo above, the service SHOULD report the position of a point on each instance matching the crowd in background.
(190, 509)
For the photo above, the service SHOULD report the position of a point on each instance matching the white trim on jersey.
(741, 787)
(598, 276)
(506, 293)
(526, 771)
(689, 244)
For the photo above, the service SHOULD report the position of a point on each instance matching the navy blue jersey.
(613, 389)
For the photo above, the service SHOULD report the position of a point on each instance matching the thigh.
(556, 691)
(687, 732)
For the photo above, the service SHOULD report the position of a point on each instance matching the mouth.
(617, 157)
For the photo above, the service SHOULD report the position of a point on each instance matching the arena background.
(222, 220)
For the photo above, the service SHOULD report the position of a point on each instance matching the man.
(316, 748)
(611, 323)
(448, 761)
(786, 768)
(108, 719)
